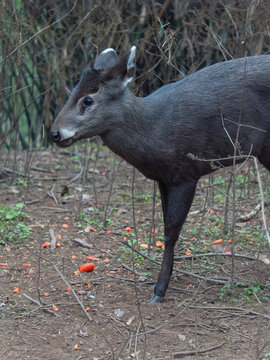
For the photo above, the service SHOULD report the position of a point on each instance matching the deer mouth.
(68, 141)
(65, 142)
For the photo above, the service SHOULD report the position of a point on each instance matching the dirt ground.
(197, 319)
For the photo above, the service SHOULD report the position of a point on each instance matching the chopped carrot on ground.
(220, 241)
(91, 258)
(47, 243)
(145, 246)
(88, 267)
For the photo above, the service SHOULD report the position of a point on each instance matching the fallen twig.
(53, 239)
(252, 213)
(262, 200)
(10, 171)
(224, 308)
(217, 281)
(51, 194)
(73, 292)
(130, 269)
(54, 209)
(216, 254)
(34, 201)
(77, 175)
(42, 307)
(194, 352)
(81, 243)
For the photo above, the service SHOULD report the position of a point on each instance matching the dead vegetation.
(44, 46)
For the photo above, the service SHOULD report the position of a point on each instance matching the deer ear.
(131, 66)
(106, 60)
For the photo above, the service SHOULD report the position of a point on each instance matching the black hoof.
(155, 299)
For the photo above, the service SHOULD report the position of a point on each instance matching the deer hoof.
(155, 299)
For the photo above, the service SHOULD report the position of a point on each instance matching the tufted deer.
(178, 133)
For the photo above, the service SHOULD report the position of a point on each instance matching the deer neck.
(132, 135)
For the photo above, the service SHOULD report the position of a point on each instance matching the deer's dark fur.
(178, 133)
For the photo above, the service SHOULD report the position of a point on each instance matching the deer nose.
(55, 135)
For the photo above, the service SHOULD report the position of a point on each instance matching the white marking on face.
(107, 50)
(66, 133)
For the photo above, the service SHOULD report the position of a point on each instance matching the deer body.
(178, 133)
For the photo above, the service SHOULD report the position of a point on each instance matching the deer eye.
(88, 101)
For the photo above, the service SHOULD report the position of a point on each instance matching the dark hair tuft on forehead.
(89, 82)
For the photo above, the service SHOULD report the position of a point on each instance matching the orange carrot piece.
(220, 241)
(88, 267)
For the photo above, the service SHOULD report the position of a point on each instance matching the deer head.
(94, 103)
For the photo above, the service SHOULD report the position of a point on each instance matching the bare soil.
(194, 321)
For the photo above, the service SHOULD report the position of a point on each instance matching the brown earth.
(198, 318)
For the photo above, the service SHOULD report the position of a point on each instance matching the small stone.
(181, 337)
(119, 313)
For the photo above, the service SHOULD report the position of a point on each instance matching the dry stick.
(178, 355)
(226, 211)
(77, 176)
(51, 194)
(133, 207)
(133, 264)
(203, 214)
(39, 32)
(53, 239)
(81, 243)
(246, 311)
(192, 301)
(236, 149)
(39, 270)
(136, 341)
(262, 200)
(110, 194)
(94, 175)
(73, 292)
(129, 268)
(153, 216)
(16, 121)
(196, 330)
(254, 212)
(265, 342)
(217, 281)
(79, 302)
(216, 254)
(59, 210)
(39, 304)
